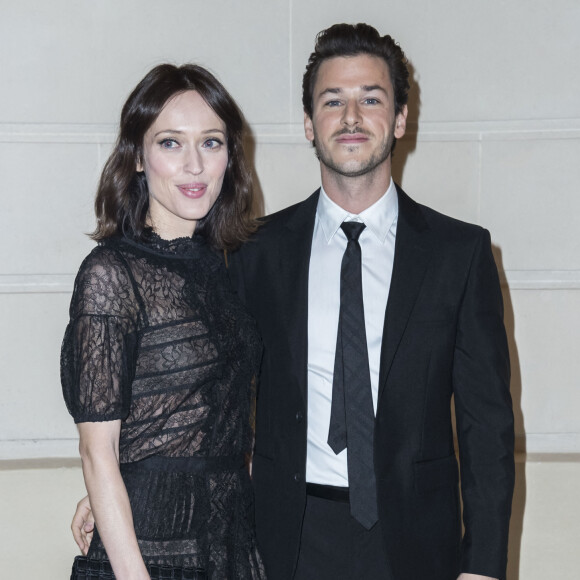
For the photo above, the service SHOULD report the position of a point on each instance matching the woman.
(159, 356)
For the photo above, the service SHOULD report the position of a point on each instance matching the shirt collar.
(378, 218)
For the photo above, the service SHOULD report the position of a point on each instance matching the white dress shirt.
(329, 242)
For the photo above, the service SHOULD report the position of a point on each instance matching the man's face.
(353, 122)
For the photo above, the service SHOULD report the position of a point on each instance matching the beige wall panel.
(37, 506)
(489, 60)
(530, 202)
(47, 193)
(77, 61)
(32, 404)
(287, 173)
(545, 523)
(441, 174)
(544, 332)
(46, 48)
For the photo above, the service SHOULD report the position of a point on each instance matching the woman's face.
(185, 156)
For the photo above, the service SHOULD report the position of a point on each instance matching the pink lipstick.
(193, 190)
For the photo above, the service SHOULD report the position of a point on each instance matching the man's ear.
(308, 127)
(401, 122)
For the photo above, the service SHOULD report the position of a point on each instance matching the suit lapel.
(294, 261)
(412, 256)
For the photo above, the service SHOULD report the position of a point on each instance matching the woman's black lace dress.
(157, 339)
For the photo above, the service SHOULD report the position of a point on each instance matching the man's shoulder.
(445, 223)
(273, 229)
(305, 208)
(439, 224)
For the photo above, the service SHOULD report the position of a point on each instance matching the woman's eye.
(212, 143)
(169, 143)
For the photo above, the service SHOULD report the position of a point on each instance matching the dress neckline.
(151, 241)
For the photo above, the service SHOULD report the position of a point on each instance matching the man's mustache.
(346, 131)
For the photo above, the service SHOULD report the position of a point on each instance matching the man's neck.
(355, 194)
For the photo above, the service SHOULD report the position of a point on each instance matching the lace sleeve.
(98, 350)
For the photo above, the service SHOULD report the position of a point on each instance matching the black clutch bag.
(88, 569)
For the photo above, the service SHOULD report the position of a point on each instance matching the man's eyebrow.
(364, 88)
(336, 91)
(369, 88)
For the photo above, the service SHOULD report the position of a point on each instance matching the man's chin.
(351, 168)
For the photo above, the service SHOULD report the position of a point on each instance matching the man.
(433, 325)
(354, 467)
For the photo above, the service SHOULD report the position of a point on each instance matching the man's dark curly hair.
(352, 40)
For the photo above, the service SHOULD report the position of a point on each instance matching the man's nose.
(351, 116)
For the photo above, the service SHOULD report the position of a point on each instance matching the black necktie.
(352, 417)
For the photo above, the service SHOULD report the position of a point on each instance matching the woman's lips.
(192, 190)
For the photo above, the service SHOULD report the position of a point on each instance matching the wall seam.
(290, 60)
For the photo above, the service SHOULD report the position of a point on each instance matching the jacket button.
(297, 478)
(299, 416)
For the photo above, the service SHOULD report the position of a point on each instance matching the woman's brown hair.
(122, 199)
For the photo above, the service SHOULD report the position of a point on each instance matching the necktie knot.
(352, 230)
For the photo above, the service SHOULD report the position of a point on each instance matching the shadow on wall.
(404, 148)
(519, 501)
(250, 152)
(408, 143)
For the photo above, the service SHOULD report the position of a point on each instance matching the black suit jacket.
(443, 336)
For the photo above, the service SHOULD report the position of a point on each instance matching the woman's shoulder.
(103, 279)
(104, 254)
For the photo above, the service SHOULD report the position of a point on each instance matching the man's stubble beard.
(368, 166)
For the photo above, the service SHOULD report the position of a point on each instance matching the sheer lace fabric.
(157, 339)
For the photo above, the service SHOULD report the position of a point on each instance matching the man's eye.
(371, 101)
(333, 103)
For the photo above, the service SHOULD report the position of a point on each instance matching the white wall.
(494, 139)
